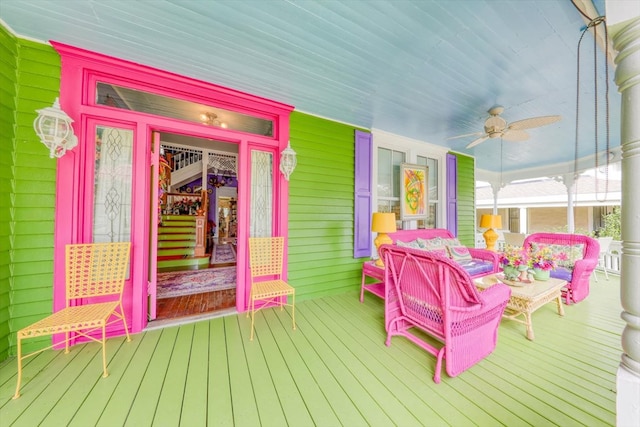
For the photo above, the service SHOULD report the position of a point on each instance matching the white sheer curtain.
(112, 185)
(261, 194)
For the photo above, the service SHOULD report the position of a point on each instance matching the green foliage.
(565, 229)
(612, 225)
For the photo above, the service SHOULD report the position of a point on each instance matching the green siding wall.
(466, 200)
(8, 82)
(321, 203)
(321, 208)
(28, 196)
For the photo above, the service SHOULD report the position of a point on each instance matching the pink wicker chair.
(577, 277)
(437, 296)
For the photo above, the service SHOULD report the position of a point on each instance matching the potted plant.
(513, 260)
(543, 260)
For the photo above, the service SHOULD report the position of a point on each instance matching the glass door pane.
(112, 185)
(261, 194)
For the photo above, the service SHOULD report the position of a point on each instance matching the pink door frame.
(81, 70)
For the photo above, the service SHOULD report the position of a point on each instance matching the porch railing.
(186, 158)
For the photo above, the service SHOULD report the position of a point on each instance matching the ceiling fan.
(496, 127)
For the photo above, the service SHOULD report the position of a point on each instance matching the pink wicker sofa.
(583, 253)
(434, 294)
(482, 261)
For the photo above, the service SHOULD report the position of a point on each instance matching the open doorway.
(196, 267)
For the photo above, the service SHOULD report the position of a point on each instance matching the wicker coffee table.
(527, 298)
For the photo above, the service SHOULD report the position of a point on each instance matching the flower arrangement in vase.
(514, 260)
(543, 260)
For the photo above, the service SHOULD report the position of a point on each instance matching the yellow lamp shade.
(491, 221)
(383, 222)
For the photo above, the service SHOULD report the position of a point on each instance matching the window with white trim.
(434, 191)
(388, 183)
(390, 151)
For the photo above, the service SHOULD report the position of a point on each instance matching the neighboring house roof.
(545, 192)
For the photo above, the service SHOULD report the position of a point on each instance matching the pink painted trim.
(241, 101)
(80, 71)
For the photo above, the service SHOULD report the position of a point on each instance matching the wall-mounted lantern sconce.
(288, 161)
(53, 127)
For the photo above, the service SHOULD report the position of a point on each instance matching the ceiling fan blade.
(478, 141)
(465, 135)
(533, 122)
(515, 135)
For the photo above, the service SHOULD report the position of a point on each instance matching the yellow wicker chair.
(265, 259)
(92, 270)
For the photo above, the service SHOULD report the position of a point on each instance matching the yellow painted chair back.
(91, 270)
(267, 287)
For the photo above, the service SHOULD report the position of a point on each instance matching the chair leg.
(105, 374)
(293, 310)
(66, 342)
(605, 273)
(595, 275)
(124, 322)
(17, 393)
(253, 315)
(436, 376)
(250, 299)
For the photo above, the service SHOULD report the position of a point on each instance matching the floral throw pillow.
(429, 244)
(459, 253)
(412, 244)
(439, 250)
(572, 253)
(451, 242)
(565, 255)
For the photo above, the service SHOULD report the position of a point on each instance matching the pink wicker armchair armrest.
(486, 255)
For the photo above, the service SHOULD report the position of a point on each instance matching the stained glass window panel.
(261, 194)
(112, 185)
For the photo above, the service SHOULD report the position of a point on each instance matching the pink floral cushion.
(566, 255)
(439, 250)
(412, 244)
(459, 253)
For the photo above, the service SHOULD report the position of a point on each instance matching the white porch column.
(524, 221)
(625, 32)
(569, 181)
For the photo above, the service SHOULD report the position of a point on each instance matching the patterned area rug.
(223, 254)
(178, 283)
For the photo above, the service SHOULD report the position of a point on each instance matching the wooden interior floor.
(333, 370)
(196, 304)
(189, 305)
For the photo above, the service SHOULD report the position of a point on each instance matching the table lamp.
(490, 236)
(383, 223)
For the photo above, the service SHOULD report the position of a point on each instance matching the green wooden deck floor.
(333, 370)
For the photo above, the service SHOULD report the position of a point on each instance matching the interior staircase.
(177, 242)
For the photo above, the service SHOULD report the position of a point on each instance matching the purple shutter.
(362, 203)
(452, 194)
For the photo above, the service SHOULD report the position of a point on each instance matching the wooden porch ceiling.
(427, 70)
(333, 370)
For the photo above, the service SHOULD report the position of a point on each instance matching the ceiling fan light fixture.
(494, 126)
(497, 127)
